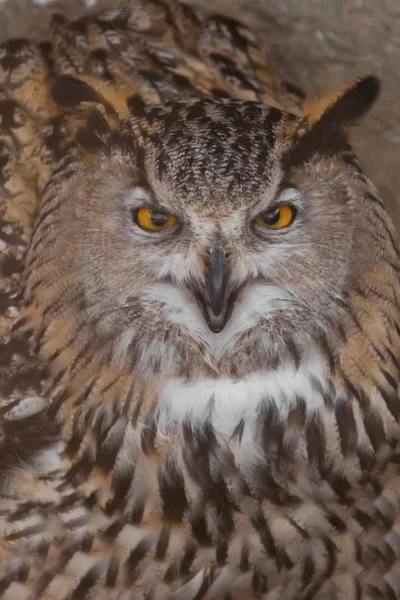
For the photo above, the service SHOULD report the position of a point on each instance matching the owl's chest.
(225, 402)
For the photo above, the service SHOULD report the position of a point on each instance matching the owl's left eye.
(279, 217)
(154, 220)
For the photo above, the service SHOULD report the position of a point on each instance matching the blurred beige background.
(314, 44)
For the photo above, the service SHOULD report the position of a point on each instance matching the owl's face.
(212, 238)
(199, 249)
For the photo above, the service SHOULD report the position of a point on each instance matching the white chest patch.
(226, 401)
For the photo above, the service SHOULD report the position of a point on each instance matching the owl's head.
(205, 237)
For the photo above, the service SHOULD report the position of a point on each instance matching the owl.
(200, 332)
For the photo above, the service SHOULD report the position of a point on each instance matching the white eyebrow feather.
(288, 195)
(137, 194)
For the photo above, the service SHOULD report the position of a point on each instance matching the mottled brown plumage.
(143, 455)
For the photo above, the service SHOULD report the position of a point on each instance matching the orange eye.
(277, 218)
(154, 220)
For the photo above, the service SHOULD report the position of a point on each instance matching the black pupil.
(271, 216)
(158, 218)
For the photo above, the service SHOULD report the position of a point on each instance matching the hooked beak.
(213, 299)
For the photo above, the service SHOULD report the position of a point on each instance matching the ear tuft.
(346, 104)
(328, 121)
(92, 108)
(69, 92)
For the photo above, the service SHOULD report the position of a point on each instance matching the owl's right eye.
(153, 220)
(277, 218)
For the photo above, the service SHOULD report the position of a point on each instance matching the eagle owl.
(200, 323)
